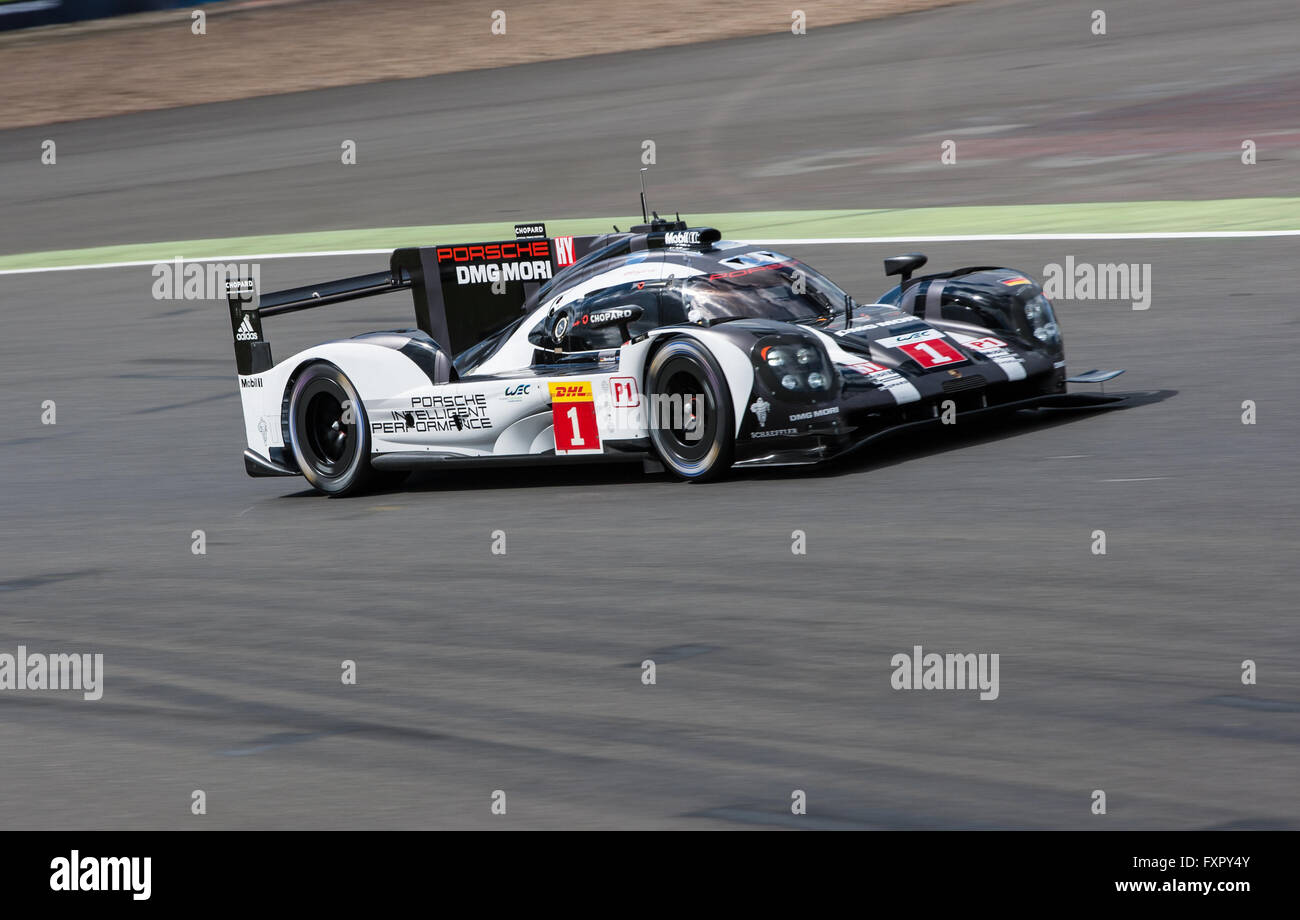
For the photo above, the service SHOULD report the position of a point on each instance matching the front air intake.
(961, 384)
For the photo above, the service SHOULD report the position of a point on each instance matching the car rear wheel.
(691, 419)
(328, 431)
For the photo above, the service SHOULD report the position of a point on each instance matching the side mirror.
(905, 264)
(564, 322)
(558, 326)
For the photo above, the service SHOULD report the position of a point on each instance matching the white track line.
(263, 257)
(1030, 237)
(814, 241)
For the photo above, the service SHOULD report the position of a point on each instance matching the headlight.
(793, 364)
(1042, 320)
(1050, 333)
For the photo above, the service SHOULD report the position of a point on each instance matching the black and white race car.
(663, 344)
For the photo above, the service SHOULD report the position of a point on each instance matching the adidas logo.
(245, 332)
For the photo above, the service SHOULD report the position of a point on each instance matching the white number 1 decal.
(577, 435)
(572, 400)
(935, 356)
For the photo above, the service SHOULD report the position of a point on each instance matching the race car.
(663, 344)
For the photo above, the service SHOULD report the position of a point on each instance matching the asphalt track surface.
(1041, 110)
(521, 672)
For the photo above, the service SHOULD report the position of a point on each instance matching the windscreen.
(785, 290)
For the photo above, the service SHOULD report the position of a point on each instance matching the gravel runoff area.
(262, 47)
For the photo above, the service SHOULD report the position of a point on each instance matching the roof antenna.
(645, 215)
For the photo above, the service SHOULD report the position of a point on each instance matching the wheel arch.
(688, 458)
(288, 391)
(735, 362)
(377, 371)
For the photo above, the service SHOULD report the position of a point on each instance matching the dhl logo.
(571, 392)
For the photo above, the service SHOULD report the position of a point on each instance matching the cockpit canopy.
(763, 285)
(749, 285)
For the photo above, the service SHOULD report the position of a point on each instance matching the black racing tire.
(331, 447)
(683, 369)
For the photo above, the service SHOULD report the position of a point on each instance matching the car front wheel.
(692, 422)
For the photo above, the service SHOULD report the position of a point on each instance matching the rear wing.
(461, 292)
(248, 307)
